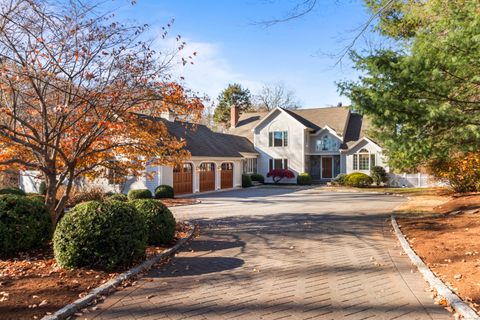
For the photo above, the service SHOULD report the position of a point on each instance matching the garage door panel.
(183, 179)
(207, 177)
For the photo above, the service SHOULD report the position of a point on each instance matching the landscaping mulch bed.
(449, 244)
(32, 285)
(179, 202)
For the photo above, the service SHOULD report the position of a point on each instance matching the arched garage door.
(183, 179)
(207, 176)
(226, 176)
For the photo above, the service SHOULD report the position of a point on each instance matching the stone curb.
(453, 300)
(110, 286)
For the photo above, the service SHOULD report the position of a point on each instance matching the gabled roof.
(246, 123)
(334, 117)
(203, 142)
(358, 127)
(314, 119)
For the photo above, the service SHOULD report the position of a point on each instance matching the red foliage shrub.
(278, 174)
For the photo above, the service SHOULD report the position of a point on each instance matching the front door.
(327, 168)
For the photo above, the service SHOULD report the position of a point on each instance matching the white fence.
(413, 180)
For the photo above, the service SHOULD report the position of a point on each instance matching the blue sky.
(232, 47)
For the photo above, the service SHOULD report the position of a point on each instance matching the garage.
(226, 175)
(207, 176)
(183, 179)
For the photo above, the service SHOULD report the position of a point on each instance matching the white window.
(278, 139)
(250, 165)
(326, 143)
(363, 160)
(278, 164)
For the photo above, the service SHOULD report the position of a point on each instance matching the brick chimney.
(234, 115)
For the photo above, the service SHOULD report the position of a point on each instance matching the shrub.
(339, 179)
(42, 188)
(25, 224)
(304, 179)
(139, 194)
(118, 197)
(100, 235)
(36, 197)
(84, 195)
(246, 181)
(379, 175)
(160, 221)
(257, 177)
(279, 174)
(460, 170)
(358, 179)
(14, 191)
(164, 191)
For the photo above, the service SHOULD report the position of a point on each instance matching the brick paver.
(279, 254)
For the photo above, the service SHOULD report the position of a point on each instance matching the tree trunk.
(51, 196)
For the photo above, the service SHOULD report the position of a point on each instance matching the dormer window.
(278, 139)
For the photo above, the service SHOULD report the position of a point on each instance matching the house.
(322, 141)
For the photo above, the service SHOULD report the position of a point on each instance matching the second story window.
(278, 139)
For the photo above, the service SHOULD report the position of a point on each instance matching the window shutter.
(372, 160)
(285, 163)
(270, 139)
(285, 138)
(270, 165)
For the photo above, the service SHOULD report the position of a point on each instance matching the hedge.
(139, 194)
(101, 235)
(160, 221)
(163, 191)
(25, 223)
(14, 191)
(117, 197)
(358, 179)
(246, 181)
(304, 179)
(257, 177)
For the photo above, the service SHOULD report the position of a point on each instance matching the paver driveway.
(274, 253)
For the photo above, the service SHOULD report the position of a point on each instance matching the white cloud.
(210, 72)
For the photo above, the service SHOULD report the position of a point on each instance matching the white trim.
(358, 142)
(272, 112)
(330, 130)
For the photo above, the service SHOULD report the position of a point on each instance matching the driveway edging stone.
(462, 308)
(111, 285)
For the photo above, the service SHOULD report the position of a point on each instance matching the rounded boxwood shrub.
(257, 177)
(160, 221)
(246, 181)
(304, 179)
(15, 191)
(139, 194)
(101, 235)
(163, 191)
(339, 179)
(358, 179)
(117, 197)
(25, 224)
(37, 197)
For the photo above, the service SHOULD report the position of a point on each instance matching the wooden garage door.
(226, 176)
(183, 179)
(207, 177)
